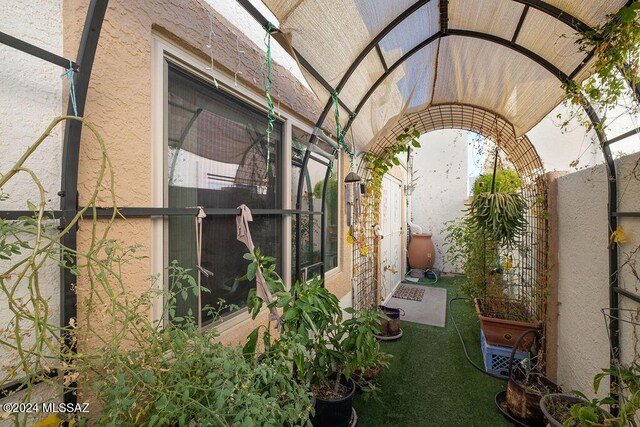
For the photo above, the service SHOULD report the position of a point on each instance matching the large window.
(217, 159)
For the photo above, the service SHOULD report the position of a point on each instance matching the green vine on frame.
(379, 165)
(616, 48)
(339, 131)
(271, 115)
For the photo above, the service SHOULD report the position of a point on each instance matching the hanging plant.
(506, 180)
(500, 215)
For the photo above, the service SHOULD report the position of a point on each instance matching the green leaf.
(252, 341)
(251, 271)
(284, 300)
(148, 377)
(292, 313)
(626, 15)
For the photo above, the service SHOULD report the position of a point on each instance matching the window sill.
(234, 320)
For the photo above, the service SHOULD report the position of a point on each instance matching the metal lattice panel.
(527, 277)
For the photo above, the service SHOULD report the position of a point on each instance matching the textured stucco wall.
(440, 174)
(30, 97)
(120, 104)
(583, 272)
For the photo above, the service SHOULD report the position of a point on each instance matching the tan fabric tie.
(244, 235)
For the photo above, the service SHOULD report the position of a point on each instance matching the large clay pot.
(422, 253)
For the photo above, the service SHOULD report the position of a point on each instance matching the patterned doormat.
(409, 292)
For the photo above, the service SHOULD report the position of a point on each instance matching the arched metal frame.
(69, 199)
(444, 31)
(86, 54)
(527, 274)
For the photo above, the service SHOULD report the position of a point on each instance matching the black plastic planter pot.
(335, 413)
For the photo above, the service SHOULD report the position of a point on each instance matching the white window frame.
(337, 167)
(163, 50)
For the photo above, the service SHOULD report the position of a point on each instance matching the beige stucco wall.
(583, 272)
(119, 103)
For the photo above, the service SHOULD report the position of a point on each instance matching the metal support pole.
(298, 237)
(70, 158)
(614, 327)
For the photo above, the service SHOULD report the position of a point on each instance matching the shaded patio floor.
(430, 382)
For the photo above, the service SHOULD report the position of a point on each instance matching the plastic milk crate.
(496, 357)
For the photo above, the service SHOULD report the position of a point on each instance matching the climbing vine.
(379, 164)
(616, 49)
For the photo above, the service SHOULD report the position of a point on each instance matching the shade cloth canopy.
(387, 59)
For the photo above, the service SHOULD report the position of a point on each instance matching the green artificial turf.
(430, 382)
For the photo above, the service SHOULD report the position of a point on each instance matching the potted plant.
(174, 374)
(577, 410)
(498, 217)
(323, 349)
(364, 358)
(526, 386)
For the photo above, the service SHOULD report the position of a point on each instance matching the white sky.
(236, 14)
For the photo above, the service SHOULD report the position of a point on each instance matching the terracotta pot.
(422, 253)
(504, 332)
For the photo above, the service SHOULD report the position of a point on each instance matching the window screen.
(217, 158)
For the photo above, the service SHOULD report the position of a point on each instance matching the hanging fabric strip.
(244, 235)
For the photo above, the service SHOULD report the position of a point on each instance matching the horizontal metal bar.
(312, 266)
(131, 212)
(518, 48)
(632, 132)
(255, 13)
(627, 294)
(316, 75)
(147, 212)
(323, 136)
(381, 58)
(15, 386)
(37, 52)
(319, 151)
(558, 14)
(626, 214)
(14, 215)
